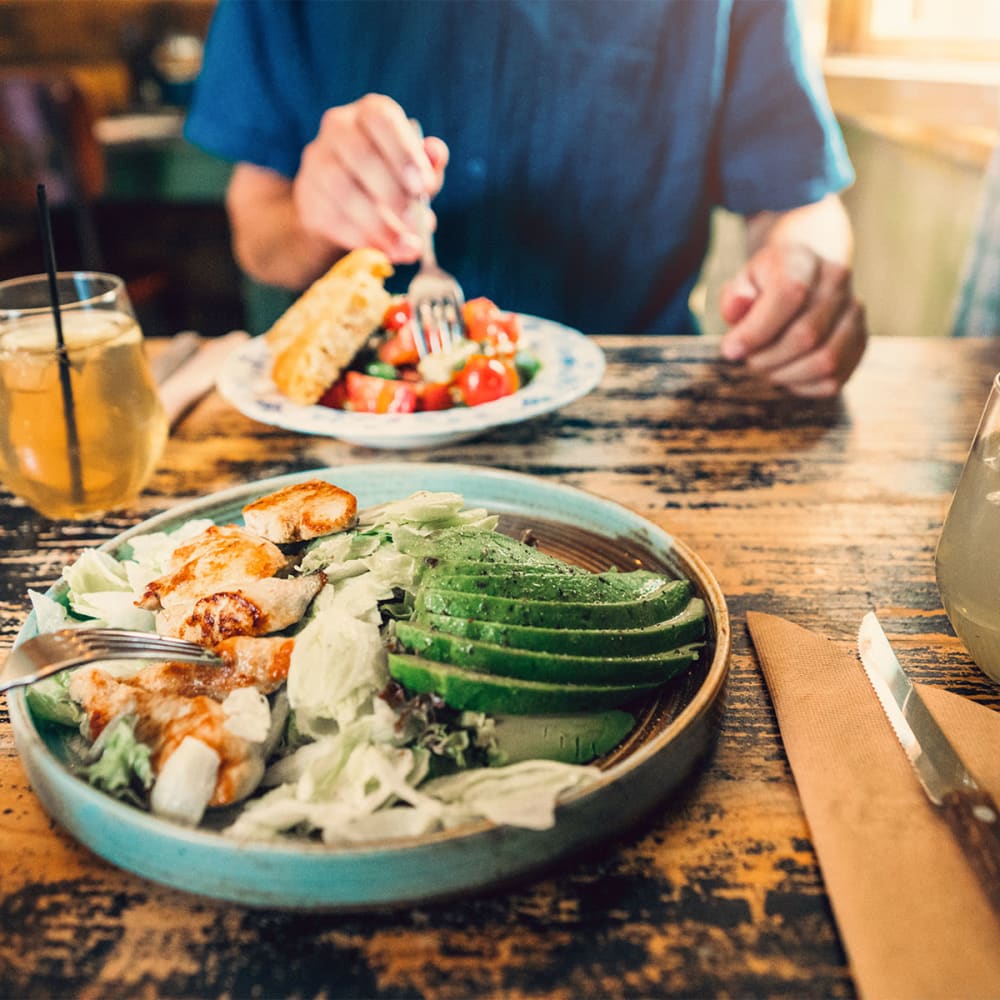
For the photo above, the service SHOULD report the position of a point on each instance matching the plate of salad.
(474, 389)
(390, 772)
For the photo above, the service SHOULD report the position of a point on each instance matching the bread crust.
(318, 335)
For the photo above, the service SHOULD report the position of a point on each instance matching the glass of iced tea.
(968, 552)
(82, 427)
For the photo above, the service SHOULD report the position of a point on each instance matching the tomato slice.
(434, 396)
(399, 350)
(335, 396)
(368, 394)
(484, 379)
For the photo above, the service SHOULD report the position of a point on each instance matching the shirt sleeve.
(779, 143)
(238, 111)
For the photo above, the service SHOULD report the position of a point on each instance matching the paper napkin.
(913, 919)
(195, 378)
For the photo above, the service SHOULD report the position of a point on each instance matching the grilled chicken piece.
(220, 557)
(301, 511)
(256, 608)
(247, 662)
(164, 721)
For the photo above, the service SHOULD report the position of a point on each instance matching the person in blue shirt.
(586, 143)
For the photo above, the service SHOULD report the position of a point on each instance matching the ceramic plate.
(675, 731)
(572, 365)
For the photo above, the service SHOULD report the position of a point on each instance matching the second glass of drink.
(968, 552)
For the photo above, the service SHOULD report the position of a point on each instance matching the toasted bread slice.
(319, 334)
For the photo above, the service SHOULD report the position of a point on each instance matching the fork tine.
(422, 314)
(453, 321)
(106, 637)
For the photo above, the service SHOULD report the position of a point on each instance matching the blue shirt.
(589, 139)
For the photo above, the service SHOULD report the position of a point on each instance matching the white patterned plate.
(571, 366)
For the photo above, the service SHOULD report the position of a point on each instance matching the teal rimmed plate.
(676, 730)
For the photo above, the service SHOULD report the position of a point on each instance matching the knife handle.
(973, 816)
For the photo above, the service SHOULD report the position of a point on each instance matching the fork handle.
(39, 674)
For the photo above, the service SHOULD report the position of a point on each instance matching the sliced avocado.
(663, 602)
(573, 739)
(465, 543)
(473, 567)
(688, 626)
(479, 692)
(533, 665)
(539, 586)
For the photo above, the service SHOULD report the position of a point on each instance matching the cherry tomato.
(434, 396)
(399, 350)
(368, 394)
(484, 379)
(397, 316)
(486, 323)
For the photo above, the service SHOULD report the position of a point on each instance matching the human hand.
(360, 177)
(794, 319)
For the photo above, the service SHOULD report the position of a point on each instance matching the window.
(925, 29)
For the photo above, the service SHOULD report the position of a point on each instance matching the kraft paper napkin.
(195, 378)
(912, 917)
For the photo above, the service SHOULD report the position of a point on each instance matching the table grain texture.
(816, 511)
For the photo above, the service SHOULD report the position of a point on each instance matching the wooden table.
(816, 511)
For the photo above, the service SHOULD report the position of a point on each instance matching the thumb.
(737, 296)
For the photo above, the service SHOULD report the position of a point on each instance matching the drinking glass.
(81, 428)
(968, 552)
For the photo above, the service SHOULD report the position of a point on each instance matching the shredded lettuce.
(51, 615)
(153, 551)
(522, 794)
(50, 699)
(338, 663)
(119, 763)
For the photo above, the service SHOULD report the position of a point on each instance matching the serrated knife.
(970, 811)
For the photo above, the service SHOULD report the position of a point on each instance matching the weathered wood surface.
(814, 511)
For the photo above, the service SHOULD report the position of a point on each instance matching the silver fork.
(435, 296)
(48, 654)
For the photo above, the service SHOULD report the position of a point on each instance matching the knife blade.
(970, 811)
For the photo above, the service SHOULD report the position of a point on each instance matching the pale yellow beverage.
(119, 421)
(968, 554)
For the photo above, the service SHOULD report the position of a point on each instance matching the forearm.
(824, 227)
(269, 242)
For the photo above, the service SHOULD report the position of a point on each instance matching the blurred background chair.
(47, 136)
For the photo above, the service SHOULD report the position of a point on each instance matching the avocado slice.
(557, 668)
(474, 567)
(465, 543)
(687, 626)
(575, 738)
(541, 586)
(479, 692)
(665, 601)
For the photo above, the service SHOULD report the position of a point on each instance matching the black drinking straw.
(69, 410)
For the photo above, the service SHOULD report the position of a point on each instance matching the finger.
(810, 329)
(736, 297)
(353, 153)
(335, 207)
(785, 276)
(824, 371)
(439, 155)
(391, 133)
